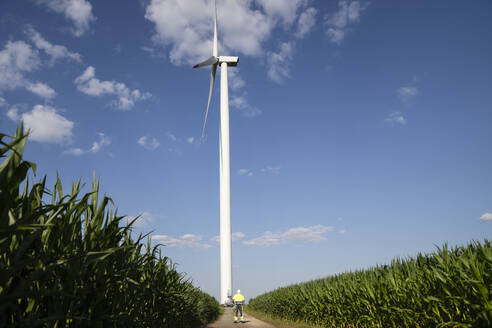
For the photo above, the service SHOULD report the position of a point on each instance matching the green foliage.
(71, 262)
(450, 288)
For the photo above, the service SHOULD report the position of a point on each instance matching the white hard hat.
(238, 291)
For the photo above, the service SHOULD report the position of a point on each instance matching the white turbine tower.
(225, 167)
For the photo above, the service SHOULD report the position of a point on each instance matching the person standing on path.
(238, 305)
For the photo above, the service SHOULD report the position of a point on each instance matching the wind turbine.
(225, 165)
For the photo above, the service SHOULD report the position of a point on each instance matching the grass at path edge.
(277, 322)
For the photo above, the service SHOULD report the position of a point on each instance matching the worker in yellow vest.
(238, 306)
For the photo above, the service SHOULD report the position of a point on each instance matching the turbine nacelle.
(230, 60)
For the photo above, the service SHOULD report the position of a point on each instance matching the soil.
(227, 321)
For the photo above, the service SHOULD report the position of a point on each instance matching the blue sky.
(360, 131)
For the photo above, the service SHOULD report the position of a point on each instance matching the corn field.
(449, 288)
(68, 260)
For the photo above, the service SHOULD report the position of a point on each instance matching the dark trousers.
(239, 309)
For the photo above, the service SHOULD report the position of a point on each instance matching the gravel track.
(226, 321)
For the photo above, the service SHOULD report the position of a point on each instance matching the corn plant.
(449, 288)
(68, 260)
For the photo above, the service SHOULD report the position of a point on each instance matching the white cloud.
(235, 237)
(339, 23)
(239, 102)
(236, 82)
(279, 62)
(54, 51)
(486, 217)
(247, 172)
(153, 52)
(306, 22)
(97, 145)
(299, 234)
(41, 89)
(242, 104)
(186, 27)
(335, 35)
(285, 11)
(145, 220)
(342, 231)
(171, 136)
(13, 114)
(103, 141)
(395, 118)
(47, 125)
(78, 11)
(190, 140)
(238, 235)
(17, 59)
(148, 144)
(186, 240)
(92, 86)
(407, 93)
(75, 151)
(3, 102)
(271, 169)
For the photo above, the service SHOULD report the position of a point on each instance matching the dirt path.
(227, 321)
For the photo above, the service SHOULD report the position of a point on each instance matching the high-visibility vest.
(238, 298)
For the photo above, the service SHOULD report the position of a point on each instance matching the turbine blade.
(210, 61)
(216, 46)
(212, 80)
